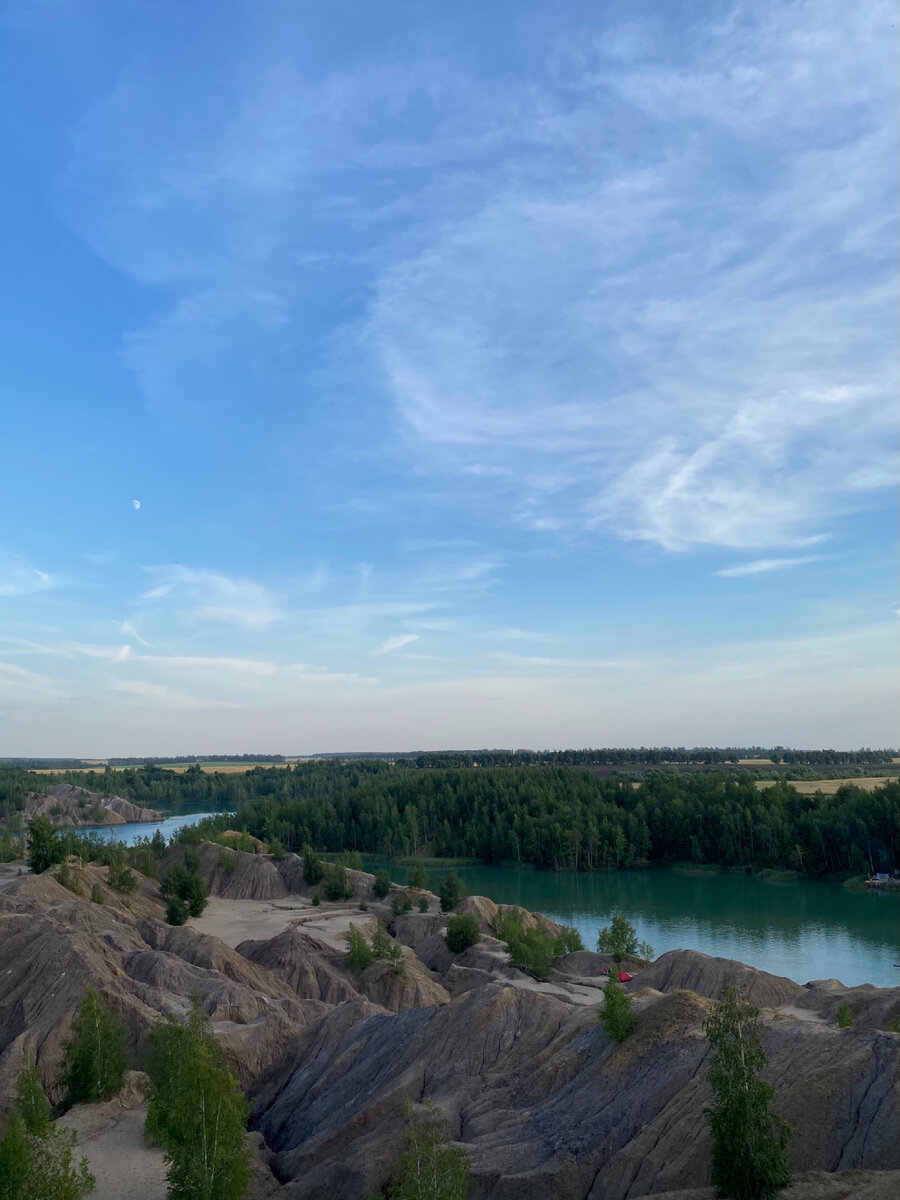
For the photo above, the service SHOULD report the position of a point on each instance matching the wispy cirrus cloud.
(646, 372)
(389, 645)
(761, 566)
(20, 578)
(205, 595)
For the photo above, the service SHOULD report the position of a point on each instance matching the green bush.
(94, 1062)
(401, 903)
(176, 911)
(336, 884)
(423, 904)
(359, 952)
(616, 1015)
(532, 950)
(97, 894)
(417, 877)
(462, 932)
(844, 1017)
(351, 859)
(45, 846)
(275, 847)
(313, 868)
(568, 941)
(382, 884)
(451, 890)
(316, 900)
(619, 939)
(363, 906)
(185, 884)
(196, 1111)
(227, 860)
(428, 1168)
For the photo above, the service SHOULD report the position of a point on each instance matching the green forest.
(558, 817)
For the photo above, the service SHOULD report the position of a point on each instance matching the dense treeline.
(653, 756)
(561, 817)
(569, 818)
(180, 759)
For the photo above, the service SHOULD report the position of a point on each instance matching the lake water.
(803, 930)
(130, 833)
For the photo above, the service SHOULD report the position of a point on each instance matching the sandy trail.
(112, 1140)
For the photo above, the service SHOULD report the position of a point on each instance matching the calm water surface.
(129, 834)
(802, 930)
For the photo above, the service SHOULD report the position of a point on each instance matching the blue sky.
(424, 375)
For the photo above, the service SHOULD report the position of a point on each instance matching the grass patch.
(770, 875)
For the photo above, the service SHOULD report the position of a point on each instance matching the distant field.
(228, 768)
(754, 762)
(808, 787)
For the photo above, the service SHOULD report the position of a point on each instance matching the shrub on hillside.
(451, 890)
(462, 932)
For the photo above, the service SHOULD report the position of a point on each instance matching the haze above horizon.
(433, 375)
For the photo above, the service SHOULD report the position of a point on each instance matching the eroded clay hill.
(529, 1083)
(65, 804)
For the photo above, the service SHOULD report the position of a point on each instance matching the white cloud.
(160, 695)
(215, 597)
(20, 687)
(112, 653)
(395, 643)
(128, 630)
(19, 578)
(656, 372)
(763, 565)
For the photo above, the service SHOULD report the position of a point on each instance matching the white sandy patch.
(235, 921)
(111, 1138)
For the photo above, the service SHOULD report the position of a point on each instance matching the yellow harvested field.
(754, 762)
(828, 787)
(178, 769)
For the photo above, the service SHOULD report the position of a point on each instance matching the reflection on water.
(802, 930)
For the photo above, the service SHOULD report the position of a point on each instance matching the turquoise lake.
(804, 930)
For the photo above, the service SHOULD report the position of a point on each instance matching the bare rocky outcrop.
(53, 945)
(68, 805)
(710, 976)
(307, 965)
(524, 1074)
(545, 1105)
(870, 1007)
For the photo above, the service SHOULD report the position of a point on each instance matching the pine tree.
(94, 1062)
(748, 1139)
(196, 1111)
(616, 1015)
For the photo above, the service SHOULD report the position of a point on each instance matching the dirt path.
(112, 1140)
